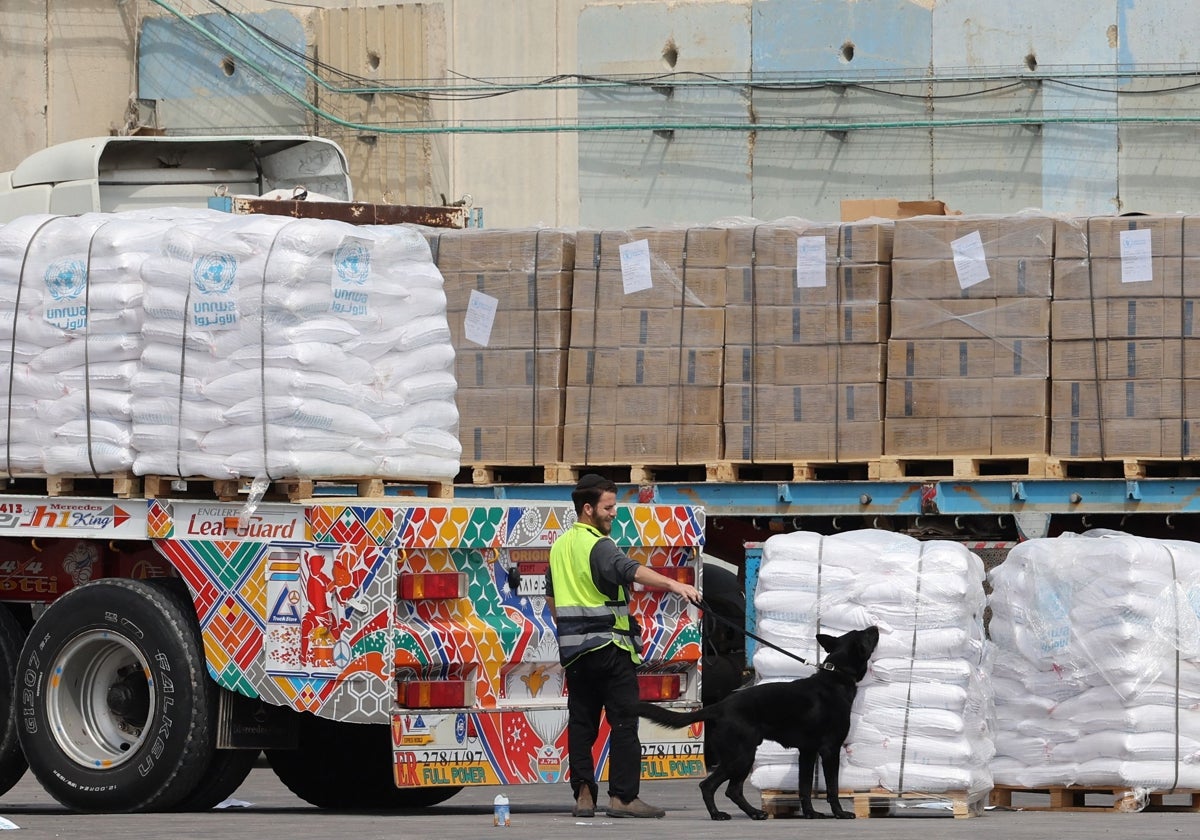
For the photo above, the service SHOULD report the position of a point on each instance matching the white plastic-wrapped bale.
(203, 344)
(70, 298)
(1097, 662)
(922, 719)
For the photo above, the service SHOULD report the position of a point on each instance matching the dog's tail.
(667, 717)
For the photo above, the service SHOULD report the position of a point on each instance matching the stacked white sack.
(70, 297)
(1097, 662)
(922, 720)
(294, 348)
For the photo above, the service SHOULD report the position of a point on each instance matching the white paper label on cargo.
(810, 262)
(213, 304)
(480, 315)
(970, 264)
(66, 293)
(635, 266)
(1136, 250)
(351, 285)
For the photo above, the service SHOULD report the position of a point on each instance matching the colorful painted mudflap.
(497, 639)
(431, 617)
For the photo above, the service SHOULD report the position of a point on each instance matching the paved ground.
(541, 812)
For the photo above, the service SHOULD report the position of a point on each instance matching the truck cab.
(124, 173)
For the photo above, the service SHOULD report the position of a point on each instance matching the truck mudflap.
(493, 641)
(449, 747)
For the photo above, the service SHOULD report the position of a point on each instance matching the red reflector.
(653, 687)
(435, 694)
(683, 574)
(432, 586)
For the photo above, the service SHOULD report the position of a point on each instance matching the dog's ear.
(826, 641)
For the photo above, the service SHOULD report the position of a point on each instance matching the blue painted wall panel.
(174, 62)
(886, 34)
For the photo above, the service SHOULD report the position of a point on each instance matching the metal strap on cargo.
(912, 661)
(262, 350)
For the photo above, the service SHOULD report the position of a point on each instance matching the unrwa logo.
(214, 273)
(352, 260)
(66, 279)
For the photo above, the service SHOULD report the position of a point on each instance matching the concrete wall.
(72, 66)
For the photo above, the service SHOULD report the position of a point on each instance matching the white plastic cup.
(500, 811)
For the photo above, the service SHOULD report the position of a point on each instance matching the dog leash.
(824, 666)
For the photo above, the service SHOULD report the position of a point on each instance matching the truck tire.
(115, 708)
(348, 766)
(12, 759)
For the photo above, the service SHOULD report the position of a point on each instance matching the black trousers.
(604, 679)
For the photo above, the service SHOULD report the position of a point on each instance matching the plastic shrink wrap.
(1097, 662)
(203, 344)
(922, 719)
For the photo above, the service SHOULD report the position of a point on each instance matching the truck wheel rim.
(99, 700)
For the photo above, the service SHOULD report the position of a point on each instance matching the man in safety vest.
(587, 590)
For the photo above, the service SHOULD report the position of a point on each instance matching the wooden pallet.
(112, 485)
(874, 803)
(1129, 468)
(1074, 798)
(789, 471)
(291, 490)
(960, 466)
(629, 473)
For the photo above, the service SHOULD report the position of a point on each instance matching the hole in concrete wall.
(1031, 61)
(227, 66)
(373, 60)
(670, 53)
(848, 51)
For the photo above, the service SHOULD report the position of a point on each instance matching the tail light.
(435, 694)
(432, 586)
(652, 687)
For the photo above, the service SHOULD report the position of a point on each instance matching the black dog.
(811, 714)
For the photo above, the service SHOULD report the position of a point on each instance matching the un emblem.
(353, 262)
(66, 279)
(214, 273)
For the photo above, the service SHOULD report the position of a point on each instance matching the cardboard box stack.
(508, 301)
(806, 326)
(968, 360)
(646, 347)
(1123, 327)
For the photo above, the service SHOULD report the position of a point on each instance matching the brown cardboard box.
(1117, 359)
(1020, 435)
(644, 405)
(672, 289)
(514, 290)
(514, 330)
(941, 398)
(804, 364)
(510, 406)
(1098, 278)
(510, 368)
(1100, 236)
(775, 245)
(647, 366)
(964, 436)
(1123, 318)
(803, 403)
(854, 209)
(667, 444)
(1014, 277)
(513, 445)
(933, 238)
(693, 327)
(958, 319)
(1121, 438)
(786, 325)
(971, 358)
(910, 436)
(705, 247)
(746, 442)
(1026, 235)
(1126, 399)
(473, 249)
(589, 444)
